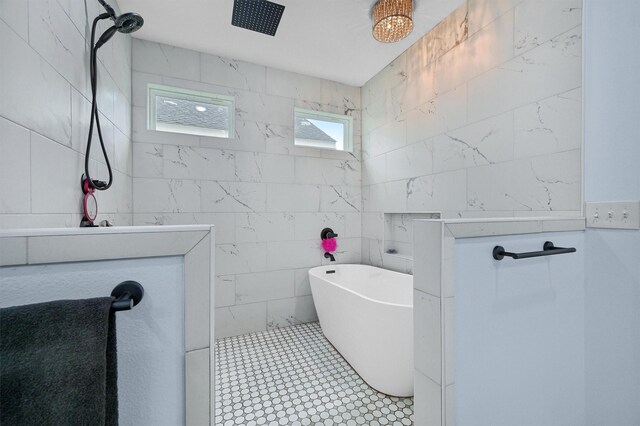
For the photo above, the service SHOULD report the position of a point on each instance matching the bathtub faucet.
(328, 255)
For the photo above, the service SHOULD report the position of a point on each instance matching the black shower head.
(129, 22)
(125, 23)
(261, 16)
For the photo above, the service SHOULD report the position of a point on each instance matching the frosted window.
(187, 111)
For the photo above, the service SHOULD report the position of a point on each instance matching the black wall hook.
(548, 249)
(128, 294)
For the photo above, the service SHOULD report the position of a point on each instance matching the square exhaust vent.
(257, 15)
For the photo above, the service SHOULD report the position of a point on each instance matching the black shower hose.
(96, 184)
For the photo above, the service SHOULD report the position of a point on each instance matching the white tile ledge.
(43, 232)
(469, 228)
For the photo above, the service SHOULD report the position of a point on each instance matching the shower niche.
(398, 232)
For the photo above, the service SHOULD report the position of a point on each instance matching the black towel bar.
(548, 249)
(128, 294)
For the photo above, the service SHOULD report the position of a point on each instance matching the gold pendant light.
(392, 20)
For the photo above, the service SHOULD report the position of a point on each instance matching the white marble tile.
(55, 166)
(147, 160)
(55, 38)
(52, 220)
(449, 405)
(13, 251)
(427, 338)
(483, 12)
(233, 196)
(293, 85)
(27, 77)
(118, 199)
(387, 197)
(82, 14)
(263, 108)
(105, 93)
(488, 141)
(121, 112)
(301, 282)
(240, 319)
(292, 311)
(15, 168)
(335, 198)
(224, 223)
(386, 138)
(374, 115)
(249, 136)
(448, 34)
(374, 170)
(151, 57)
(326, 171)
(307, 226)
(410, 161)
(165, 196)
(535, 25)
(488, 48)
(139, 90)
(551, 68)
(80, 117)
(264, 227)
(444, 113)
(348, 251)
(225, 291)
(449, 339)
(185, 162)
(232, 73)
(421, 85)
(373, 225)
(293, 254)
(15, 13)
(550, 125)
(120, 68)
(267, 168)
(442, 191)
(198, 386)
(549, 182)
(262, 286)
(293, 198)
(197, 85)
(240, 258)
(353, 224)
(340, 95)
(428, 247)
(279, 140)
(390, 76)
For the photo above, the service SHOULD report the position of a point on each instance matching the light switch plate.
(613, 214)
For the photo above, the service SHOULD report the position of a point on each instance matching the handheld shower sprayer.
(125, 23)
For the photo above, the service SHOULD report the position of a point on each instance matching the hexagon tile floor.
(293, 376)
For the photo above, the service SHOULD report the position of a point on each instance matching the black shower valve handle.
(327, 233)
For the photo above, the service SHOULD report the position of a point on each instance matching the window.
(323, 130)
(178, 110)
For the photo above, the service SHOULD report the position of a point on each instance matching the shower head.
(125, 23)
(129, 22)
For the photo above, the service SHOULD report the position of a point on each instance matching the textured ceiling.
(323, 38)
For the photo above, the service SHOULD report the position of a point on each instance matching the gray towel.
(58, 363)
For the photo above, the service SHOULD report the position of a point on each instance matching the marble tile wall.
(480, 118)
(268, 199)
(45, 110)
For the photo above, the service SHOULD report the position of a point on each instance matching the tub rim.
(325, 267)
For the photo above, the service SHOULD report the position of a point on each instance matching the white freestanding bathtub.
(367, 314)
